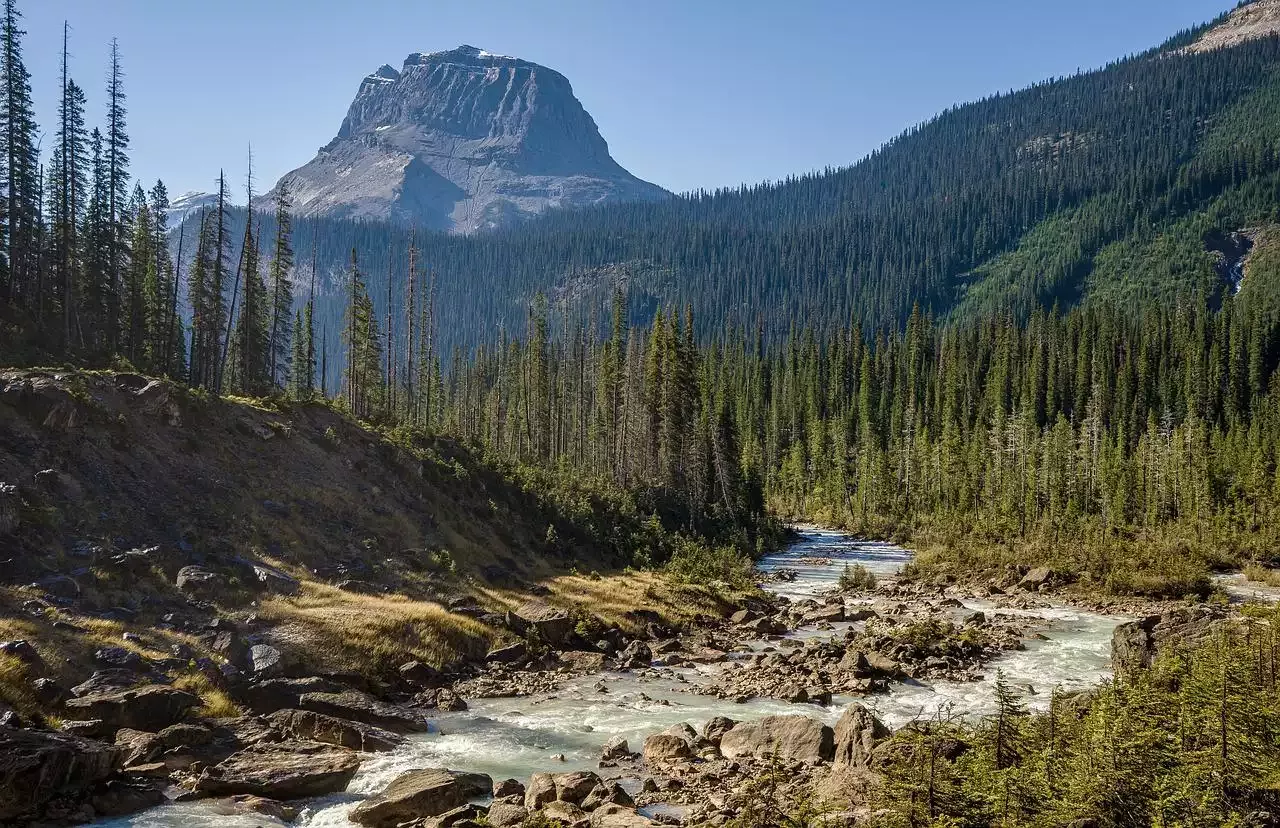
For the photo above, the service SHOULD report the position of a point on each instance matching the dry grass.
(1258, 573)
(613, 597)
(215, 703)
(327, 629)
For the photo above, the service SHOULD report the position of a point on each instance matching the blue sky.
(688, 93)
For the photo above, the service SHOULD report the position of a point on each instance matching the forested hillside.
(1066, 190)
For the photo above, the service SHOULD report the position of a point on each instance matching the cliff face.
(462, 140)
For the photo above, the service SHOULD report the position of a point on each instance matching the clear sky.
(688, 93)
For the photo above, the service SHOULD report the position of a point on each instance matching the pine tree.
(21, 167)
(281, 286)
(364, 388)
(117, 164)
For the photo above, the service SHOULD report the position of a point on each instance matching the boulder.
(199, 582)
(23, 652)
(540, 790)
(361, 707)
(138, 747)
(282, 771)
(439, 698)
(1135, 644)
(713, 731)
(606, 793)
(185, 736)
(614, 750)
(581, 661)
(423, 675)
(319, 727)
(855, 662)
(508, 787)
(636, 654)
(509, 654)
(266, 807)
(120, 797)
(1036, 578)
(574, 787)
(273, 580)
(792, 738)
(618, 816)
(667, 747)
(856, 735)
(106, 681)
(566, 813)
(417, 794)
(552, 624)
(506, 815)
(36, 767)
(149, 708)
(280, 694)
(266, 661)
(120, 658)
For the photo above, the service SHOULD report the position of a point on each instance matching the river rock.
(540, 790)
(566, 813)
(615, 750)
(509, 654)
(574, 787)
(423, 675)
(580, 661)
(120, 797)
(618, 816)
(282, 771)
(856, 735)
(318, 727)
(606, 793)
(506, 815)
(552, 624)
(634, 655)
(150, 708)
(667, 747)
(508, 787)
(281, 694)
(137, 747)
(1135, 644)
(36, 767)
(715, 728)
(420, 793)
(361, 707)
(792, 738)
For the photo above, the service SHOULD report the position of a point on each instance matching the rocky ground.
(140, 730)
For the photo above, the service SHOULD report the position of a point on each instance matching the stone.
(667, 747)
(120, 658)
(975, 619)
(1036, 578)
(361, 707)
(606, 793)
(618, 816)
(856, 735)
(230, 646)
(267, 807)
(580, 661)
(742, 616)
(138, 747)
(199, 582)
(508, 787)
(279, 694)
(151, 708)
(439, 698)
(330, 730)
(120, 797)
(616, 749)
(417, 794)
(506, 815)
(540, 790)
(37, 767)
(634, 655)
(185, 735)
(48, 692)
(552, 624)
(791, 738)
(273, 580)
(716, 727)
(509, 654)
(423, 675)
(1135, 644)
(566, 813)
(266, 661)
(574, 787)
(294, 770)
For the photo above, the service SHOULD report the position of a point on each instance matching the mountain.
(460, 141)
(1153, 179)
(189, 204)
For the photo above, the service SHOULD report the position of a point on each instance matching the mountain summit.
(463, 140)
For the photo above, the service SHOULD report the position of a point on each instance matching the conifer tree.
(281, 287)
(21, 165)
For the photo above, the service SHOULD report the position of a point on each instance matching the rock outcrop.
(36, 767)
(462, 140)
(1136, 644)
(418, 794)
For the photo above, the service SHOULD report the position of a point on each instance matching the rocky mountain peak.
(1260, 18)
(463, 140)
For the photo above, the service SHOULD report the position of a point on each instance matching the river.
(516, 737)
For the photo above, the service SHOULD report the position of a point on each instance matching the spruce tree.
(281, 286)
(20, 173)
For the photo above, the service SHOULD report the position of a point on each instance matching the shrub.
(856, 578)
